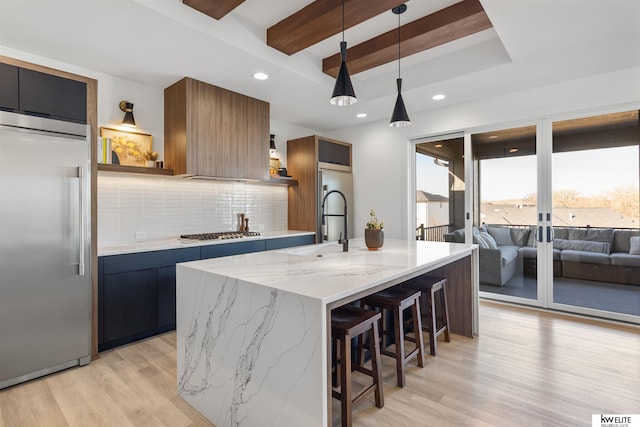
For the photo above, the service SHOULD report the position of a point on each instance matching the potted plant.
(151, 157)
(374, 232)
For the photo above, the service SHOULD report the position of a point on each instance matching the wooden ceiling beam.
(456, 21)
(320, 20)
(214, 8)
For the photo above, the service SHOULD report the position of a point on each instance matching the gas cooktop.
(220, 235)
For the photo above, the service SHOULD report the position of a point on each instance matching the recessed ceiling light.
(260, 76)
(438, 145)
(438, 97)
(492, 136)
(513, 150)
(361, 115)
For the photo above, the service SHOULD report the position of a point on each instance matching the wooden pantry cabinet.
(306, 158)
(211, 131)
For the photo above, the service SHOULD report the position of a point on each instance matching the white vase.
(151, 163)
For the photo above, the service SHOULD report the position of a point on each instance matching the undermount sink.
(320, 249)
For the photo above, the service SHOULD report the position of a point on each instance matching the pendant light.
(343, 93)
(399, 118)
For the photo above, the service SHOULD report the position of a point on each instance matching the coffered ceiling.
(486, 48)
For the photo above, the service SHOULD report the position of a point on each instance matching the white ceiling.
(533, 43)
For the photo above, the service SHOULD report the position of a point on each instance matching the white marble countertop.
(326, 273)
(252, 330)
(158, 245)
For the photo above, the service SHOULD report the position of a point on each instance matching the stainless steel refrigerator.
(334, 177)
(44, 247)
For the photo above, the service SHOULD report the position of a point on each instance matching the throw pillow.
(480, 241)
(491, 243)
(520, 236)
(501, 235)
(635, 245)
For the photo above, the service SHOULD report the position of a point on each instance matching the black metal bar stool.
(436, 315)
(395, 301)
(348, 322)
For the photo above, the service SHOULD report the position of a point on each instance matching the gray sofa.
(600, 254)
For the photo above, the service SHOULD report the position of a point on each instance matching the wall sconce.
(128, 120)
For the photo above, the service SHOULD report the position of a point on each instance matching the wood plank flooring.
(527, 368)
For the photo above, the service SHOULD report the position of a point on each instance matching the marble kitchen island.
(253, 330)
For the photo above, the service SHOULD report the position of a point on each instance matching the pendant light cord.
(342, 20)
(398, 45)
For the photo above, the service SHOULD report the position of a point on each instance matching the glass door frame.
(472, 186)
(544, 152)
(545, 194)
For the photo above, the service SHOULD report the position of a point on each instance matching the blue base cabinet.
(137, 291)
(137, 295)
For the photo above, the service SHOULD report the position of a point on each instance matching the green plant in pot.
(374, 232)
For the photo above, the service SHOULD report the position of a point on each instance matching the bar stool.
(396, 300)
(435, 321)
(348, 322)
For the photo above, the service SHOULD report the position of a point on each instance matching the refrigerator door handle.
(81, 200)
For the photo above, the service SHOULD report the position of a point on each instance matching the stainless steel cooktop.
(220, 235)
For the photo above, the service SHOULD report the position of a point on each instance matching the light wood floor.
(527, 368)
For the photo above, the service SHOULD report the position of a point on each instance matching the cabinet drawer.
(143, 260)
(226, 249)
(289, 242)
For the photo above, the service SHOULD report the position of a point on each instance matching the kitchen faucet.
(344, 241)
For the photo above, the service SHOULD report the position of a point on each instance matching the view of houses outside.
(597, 188)
(432, 201)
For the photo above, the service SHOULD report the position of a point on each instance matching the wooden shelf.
(134, 169)
(282, 180)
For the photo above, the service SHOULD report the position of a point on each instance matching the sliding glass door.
(556, 213)
(595, 206)
(505, 206)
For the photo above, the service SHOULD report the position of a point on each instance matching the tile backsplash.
(167, 207)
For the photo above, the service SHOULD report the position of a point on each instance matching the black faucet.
(345, 241)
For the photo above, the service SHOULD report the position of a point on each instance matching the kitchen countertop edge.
(176, 243)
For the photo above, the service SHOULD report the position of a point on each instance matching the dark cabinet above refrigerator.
(52, 96)
(44, 95)
(8, 87)
(334, 152)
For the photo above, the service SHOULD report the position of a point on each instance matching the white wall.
(381, 153)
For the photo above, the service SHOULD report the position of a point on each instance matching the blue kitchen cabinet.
(289, 242)
(137, 294)
(137, 291)
(232, 248)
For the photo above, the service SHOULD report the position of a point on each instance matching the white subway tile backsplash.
(167, 207)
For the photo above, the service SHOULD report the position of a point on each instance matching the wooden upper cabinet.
(215, 132)
(305, 157)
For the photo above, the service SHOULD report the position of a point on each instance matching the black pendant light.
(399, 118)
(343, 93)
